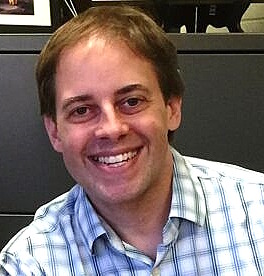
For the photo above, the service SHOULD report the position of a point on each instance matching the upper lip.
(113, 152)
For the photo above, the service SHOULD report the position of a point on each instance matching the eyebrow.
(130, 88)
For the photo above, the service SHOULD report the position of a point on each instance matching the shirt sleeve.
(12, 265)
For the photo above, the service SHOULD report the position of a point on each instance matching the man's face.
(112, 122)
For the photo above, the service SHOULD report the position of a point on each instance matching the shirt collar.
(188, 200)
(89, 223)
(93, 226)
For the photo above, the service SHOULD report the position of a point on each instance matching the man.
(110, 95)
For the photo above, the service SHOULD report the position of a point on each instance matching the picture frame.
(29, 16)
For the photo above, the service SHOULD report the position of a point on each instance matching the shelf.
(253, 42)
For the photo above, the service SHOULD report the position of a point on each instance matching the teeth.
(117, 158)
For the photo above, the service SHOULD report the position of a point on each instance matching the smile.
(115, 159)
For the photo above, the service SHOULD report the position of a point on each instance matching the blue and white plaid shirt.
(215, 227)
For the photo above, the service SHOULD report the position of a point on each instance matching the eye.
(83, 113)
(132, 105)
(81, 110)
(132, 101)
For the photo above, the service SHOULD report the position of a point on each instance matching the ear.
(52, 130)
(174, 106)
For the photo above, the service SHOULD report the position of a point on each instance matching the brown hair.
(141, 34)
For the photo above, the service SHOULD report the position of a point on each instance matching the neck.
(140, 223)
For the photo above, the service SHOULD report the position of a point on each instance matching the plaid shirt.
(215, 227)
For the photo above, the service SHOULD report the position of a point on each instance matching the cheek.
(74, 140)
(74, 149)
(154, 127)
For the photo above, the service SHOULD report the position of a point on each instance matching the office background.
(222, 115)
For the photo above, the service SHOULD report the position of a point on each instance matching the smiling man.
(110, 94)
(111, 127)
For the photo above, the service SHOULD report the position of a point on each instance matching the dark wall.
(223, 114)
(31, 172)
(222, 118)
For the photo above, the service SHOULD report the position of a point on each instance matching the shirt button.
(155, 272)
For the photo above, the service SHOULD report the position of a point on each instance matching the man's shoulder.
(213, 169)
(230, 187)
(46, 220)
(49, 215)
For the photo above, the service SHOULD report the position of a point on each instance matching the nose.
(111, 124)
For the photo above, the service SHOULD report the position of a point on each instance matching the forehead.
(100, 42)
(95, 65)
(97, 47)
